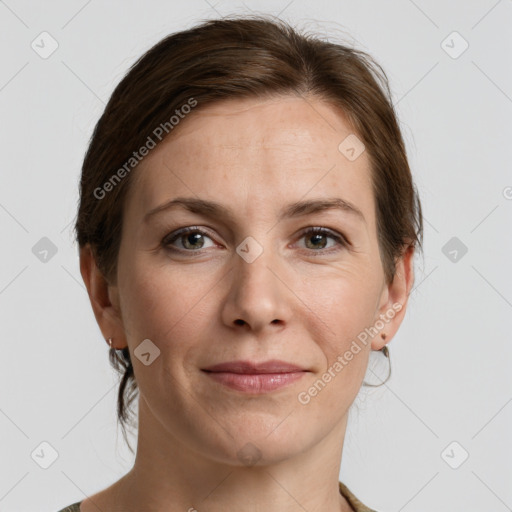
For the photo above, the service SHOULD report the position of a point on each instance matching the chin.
(256, 444)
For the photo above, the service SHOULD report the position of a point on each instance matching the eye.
(318, 236)
(191, 239)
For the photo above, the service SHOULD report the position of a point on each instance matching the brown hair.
(253, 56)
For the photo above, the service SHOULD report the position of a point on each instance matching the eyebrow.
(297, 209)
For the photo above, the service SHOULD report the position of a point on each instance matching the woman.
(247, 226)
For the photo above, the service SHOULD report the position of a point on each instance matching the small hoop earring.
(385, 352)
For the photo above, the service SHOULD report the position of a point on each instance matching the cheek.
(169, 305)
(157, 301)
(163, 306)
(342, 308)
(344, 302)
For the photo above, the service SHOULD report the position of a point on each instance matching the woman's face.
(248, 282)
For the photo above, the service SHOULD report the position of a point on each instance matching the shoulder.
(355, 503)
(75, 507)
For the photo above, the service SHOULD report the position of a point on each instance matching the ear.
(394, 297)
(104, 299)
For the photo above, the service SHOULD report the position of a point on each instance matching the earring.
(385, 352)
(110, 342)
(384, 349)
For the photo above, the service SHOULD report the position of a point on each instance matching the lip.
(255, 378)
(248, 367)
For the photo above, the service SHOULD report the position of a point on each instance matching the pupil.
(317, 237)
(190, 238)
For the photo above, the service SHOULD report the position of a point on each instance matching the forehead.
(255, 155)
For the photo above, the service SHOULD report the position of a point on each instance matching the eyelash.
(169, 239)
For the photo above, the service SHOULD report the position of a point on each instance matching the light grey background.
(452, 356)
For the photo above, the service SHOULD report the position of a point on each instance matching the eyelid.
(339, 238)
(174, 235)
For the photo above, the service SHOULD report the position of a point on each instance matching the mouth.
(255, 378)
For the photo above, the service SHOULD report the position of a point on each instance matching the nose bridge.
(256, 296)
(252, 272)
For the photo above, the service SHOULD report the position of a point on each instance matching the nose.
(258, 297)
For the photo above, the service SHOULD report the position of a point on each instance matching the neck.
(169, 475)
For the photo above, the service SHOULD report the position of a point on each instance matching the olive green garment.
(354, 502)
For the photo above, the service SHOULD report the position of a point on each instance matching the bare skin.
(303, 300)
